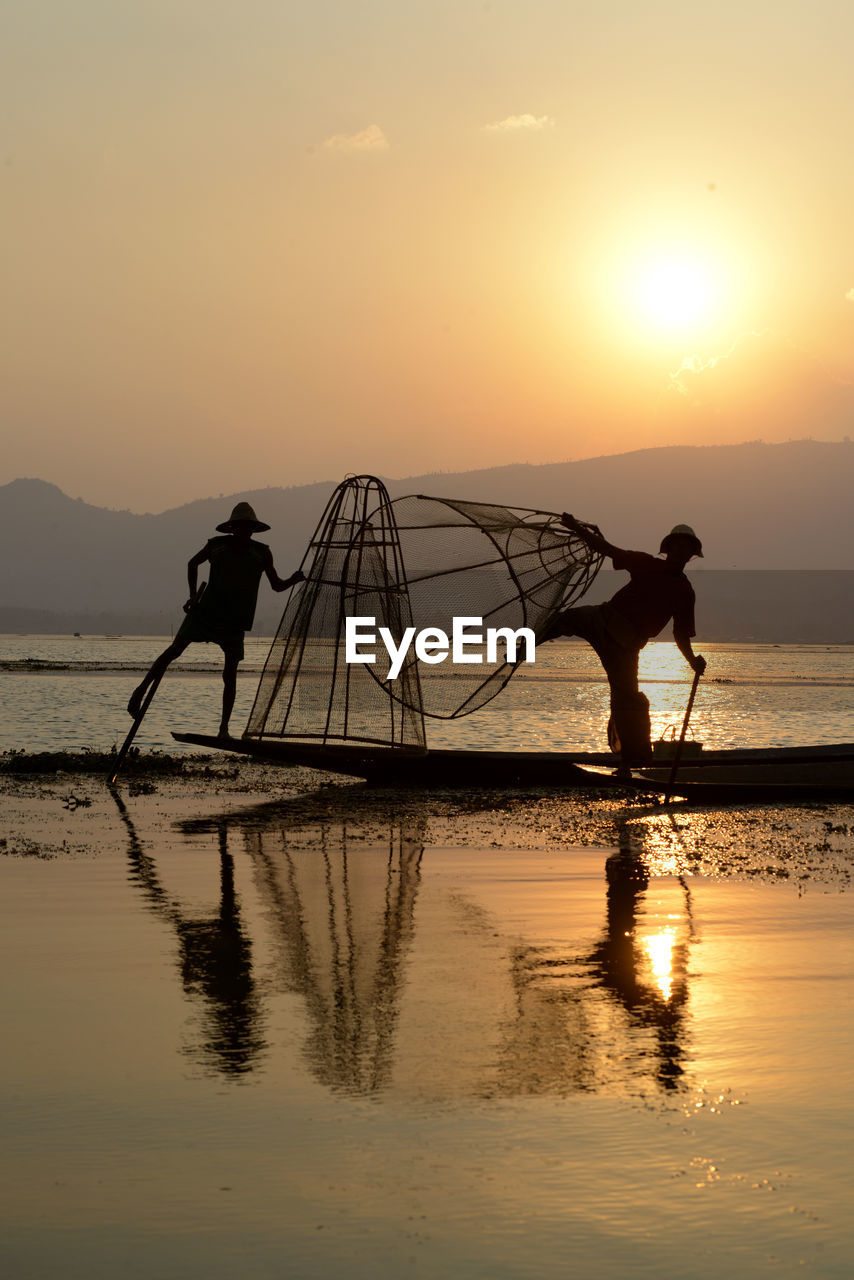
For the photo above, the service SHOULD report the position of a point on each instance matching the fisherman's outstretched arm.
(277, 583)
(593, 538)
(683, 644)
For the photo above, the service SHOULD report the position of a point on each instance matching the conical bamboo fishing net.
(415, 562)
(510, 566)
(307, 690)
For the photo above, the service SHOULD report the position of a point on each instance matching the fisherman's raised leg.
(582, 622)
(154, 673)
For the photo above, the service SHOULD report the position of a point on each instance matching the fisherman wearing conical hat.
(224, 609)
(657, 591)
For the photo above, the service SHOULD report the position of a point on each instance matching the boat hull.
(781, 773)
(385, 767)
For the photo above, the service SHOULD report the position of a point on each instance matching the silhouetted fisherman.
(657, 591)
(222, 611)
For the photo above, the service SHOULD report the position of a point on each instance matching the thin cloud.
(764, 385)
(850, 295)
(370, 139)
(521, 124)
(683, 380)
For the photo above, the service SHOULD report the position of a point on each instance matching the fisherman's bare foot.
(223, 733)
(135, 702)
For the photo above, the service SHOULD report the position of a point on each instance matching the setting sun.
(674, 293)
(670, 292)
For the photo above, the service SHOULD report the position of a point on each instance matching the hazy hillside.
(756, 506)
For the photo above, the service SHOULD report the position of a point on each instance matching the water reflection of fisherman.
(559, 1041)
(617, 963)
(657, 591)
(215, 960)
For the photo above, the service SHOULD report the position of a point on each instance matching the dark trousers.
(606, 631)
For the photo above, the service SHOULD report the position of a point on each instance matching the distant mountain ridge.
(756, 506)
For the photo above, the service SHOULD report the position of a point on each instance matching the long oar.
(677, 754)
(137, 721)
(149, 694)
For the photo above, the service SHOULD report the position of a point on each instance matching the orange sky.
(257, 244)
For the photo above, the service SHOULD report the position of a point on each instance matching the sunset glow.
(397, 267)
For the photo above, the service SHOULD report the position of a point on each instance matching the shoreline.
(67, 810)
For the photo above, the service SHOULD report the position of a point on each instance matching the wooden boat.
(729, 776)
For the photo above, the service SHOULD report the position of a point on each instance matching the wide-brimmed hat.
(242, 514)
(682, 531)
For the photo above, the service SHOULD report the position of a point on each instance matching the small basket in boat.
(665, 747)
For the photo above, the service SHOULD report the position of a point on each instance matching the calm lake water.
(257, 1045)
(254, 1040)
(71, 693)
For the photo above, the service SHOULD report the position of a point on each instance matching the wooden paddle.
(678, 752)
(191, 604)
(138, 719)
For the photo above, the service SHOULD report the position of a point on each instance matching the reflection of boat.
(785, 773)
(421, 979)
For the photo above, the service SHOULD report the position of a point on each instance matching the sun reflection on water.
(659, 948)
